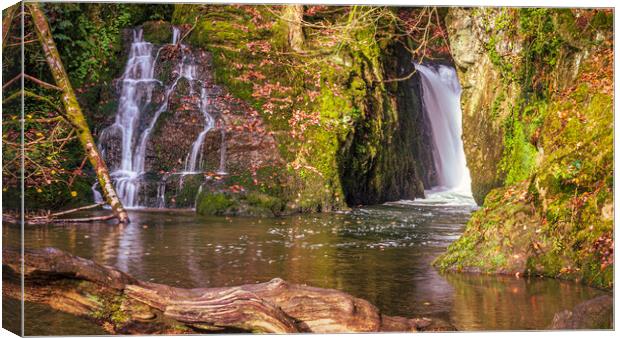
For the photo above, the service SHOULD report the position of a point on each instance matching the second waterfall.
(441, 100)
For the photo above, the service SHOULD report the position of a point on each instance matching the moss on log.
(123, 304)
(74, 112)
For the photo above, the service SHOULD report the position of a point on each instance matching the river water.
(380, 253)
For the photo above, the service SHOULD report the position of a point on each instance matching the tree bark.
(7, 20)
(74, 112)
(123, 304)
(293, 14)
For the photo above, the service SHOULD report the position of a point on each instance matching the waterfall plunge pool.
(382, 254)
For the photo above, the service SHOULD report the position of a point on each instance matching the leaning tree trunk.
(6, 21)
(74, 112)
(123, 304)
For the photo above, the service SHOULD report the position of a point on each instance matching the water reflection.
(508, 303)
(381, 254)
(130, 249)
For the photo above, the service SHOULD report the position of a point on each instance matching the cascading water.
(441, 94)
(192, 163)
(176, 34)
(137, 84)
(96, 194)
(161, 194)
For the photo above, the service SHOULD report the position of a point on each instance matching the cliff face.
(538, 127)
(306, 118)
(484, 97)
(346, 137)
(386, 156)
(236, 142)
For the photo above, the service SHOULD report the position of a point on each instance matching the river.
(380, 253)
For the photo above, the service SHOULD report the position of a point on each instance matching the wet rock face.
(481, 86)
(236, 143)
(238, 133)
(596, 313)
(545, 103)
(389, 156)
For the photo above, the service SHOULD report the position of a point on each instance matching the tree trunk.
(123, 304)
(74, 112)
(294, 14)
(6, 21)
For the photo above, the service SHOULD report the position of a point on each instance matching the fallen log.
(53, 218)
(121, 303)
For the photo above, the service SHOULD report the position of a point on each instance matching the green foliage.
(89, 35)
(518, 158)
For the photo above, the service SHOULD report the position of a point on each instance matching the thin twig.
(70, 211)
(41, 82)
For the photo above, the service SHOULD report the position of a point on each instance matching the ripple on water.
(382, 254)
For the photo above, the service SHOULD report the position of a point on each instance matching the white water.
(176, 34)
(161, 194)
(136, 93)
(137, 84)
(96, 193)
(441, 100)
(193, 163)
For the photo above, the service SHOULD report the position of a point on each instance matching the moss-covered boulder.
(235, 203)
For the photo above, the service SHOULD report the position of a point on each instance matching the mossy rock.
(263, 203)
(251, 203)
(216, 204)
(157, 32)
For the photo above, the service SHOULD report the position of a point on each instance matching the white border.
(463, 3)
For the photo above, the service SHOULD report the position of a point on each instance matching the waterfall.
(441, 94)
(176, 34)
(96, 193)
(193, 163)
(161, 193)
(137, 84)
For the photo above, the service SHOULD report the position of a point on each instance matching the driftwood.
(123, 304)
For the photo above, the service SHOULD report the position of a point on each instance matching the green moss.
(110, 309)
(519, 154)
(553, 215)
(216, 204)
(157, 32)
(263, 201)
(229, 32)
